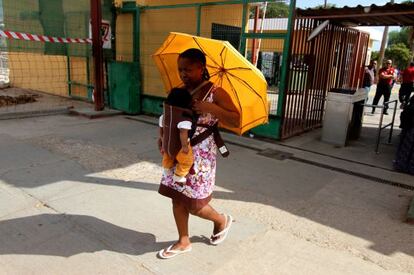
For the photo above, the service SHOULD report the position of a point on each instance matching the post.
(384, 42)
(261, 31)
(284, 74)
(392, 122)
(242, 46)
(379, 130)
(198, 20)
(97, 53)
(256, 18)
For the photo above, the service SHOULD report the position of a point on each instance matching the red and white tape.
(42, 38)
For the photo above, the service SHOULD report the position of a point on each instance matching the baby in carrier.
(175, 129)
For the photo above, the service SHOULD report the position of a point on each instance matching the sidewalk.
(78, 196)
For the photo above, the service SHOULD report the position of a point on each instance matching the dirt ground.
(26, 100)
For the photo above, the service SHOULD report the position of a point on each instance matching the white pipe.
(259, 42)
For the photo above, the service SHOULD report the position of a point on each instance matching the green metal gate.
(224, 20)
(123, 84)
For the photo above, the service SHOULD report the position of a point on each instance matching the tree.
(401, 36)
(400, 55)
(273, 10)
(375, 55)
(410, 31)
(277, 10)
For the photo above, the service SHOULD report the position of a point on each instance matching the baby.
(175, 126)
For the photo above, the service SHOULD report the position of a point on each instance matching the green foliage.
(273, 10)
(397, 37)
(375, 55)
(277, 10)
(399, 54)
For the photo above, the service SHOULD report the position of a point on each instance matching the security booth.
(343, 116)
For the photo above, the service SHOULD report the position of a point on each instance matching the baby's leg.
(167, 161)
(185, 161)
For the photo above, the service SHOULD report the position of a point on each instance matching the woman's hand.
(202, 107)
(159, 143)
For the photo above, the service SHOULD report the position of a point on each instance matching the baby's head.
(179, 97)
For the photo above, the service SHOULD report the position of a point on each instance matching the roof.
(270, 24)
(281, 24)
(387, 15)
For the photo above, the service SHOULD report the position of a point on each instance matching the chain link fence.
(39, 69)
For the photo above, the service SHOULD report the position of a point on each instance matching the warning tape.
(42, 38)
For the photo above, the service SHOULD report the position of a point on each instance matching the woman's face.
(191, 73)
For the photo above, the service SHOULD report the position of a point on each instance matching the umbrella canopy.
(228, 69)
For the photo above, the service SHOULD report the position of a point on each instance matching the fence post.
(284, 75)
(392, 122)
(199, 20)
(97, 53)
(242, 46)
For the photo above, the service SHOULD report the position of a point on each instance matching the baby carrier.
(173, 115)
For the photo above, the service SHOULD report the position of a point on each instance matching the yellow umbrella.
(228, 69)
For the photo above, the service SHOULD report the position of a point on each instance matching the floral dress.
(196, 192)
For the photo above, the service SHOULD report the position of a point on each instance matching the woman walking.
(404, 160)
(212, 104)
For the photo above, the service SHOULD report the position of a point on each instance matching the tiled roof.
(387, 15)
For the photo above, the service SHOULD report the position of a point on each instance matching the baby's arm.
(184, 127)
(161, 132)
(185, 145)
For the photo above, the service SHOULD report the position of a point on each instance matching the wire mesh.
(156, 24)
(37, 75)
(223, 22)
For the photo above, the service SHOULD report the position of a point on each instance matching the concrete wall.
(157, 24)
(124, 37)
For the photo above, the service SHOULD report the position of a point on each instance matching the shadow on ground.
(352, 205)
(56, 234)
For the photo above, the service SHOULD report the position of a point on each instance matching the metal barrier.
(380, 127)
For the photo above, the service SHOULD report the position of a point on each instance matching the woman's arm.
(222, 108)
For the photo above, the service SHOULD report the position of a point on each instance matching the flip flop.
(172, 252)
(221, 236)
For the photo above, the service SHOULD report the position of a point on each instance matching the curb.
(28, 114)
(92, 114)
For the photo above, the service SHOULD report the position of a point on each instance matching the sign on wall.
(105, 33)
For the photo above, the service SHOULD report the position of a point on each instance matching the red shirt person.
(407, 84)
(386, 76)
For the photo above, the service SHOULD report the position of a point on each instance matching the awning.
(388, 15)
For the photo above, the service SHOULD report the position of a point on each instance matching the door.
(124, 87)
(266, 52)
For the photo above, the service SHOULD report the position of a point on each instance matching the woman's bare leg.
(209, 213)
(181, 215)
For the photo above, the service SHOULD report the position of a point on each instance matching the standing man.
(407, 85)
(369, 77)
(386, 76)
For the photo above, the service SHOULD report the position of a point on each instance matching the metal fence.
(333, 59)
(140, 30)
(39, 68)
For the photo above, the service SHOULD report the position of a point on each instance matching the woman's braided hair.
(196, 55)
